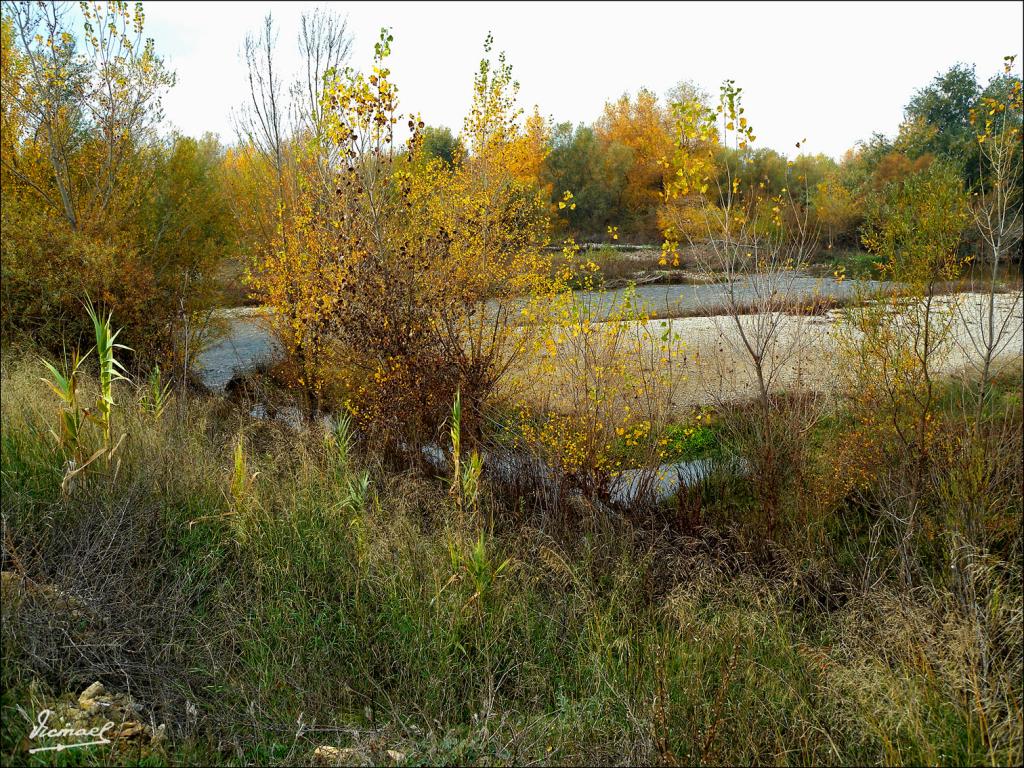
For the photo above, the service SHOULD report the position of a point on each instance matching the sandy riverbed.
(711, 364)
(711, 356)
(807, 348)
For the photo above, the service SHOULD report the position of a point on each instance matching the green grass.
(311, 582)
(857, 262)
(687, 445)
(682, 443)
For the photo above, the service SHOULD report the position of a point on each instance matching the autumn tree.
(637, 127)
(528, 151)
(326, 270)
(996, 212)
(836, 210)
(263, 122)
(758, 239)
(87, 109)
(91, 189)
(404, 286)
(187, 222)
(895, 346)
(280, 126)
(324, 45)
(688, 91)
(915, 226)
(490, 217)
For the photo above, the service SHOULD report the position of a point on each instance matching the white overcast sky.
(833, 72)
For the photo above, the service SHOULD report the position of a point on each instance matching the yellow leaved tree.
(406, 285)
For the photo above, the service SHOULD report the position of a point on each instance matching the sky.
(832, 72)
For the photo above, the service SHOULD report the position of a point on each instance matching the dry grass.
(325, 588)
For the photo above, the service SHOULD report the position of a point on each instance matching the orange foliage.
(896, 166)
(639, 125)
